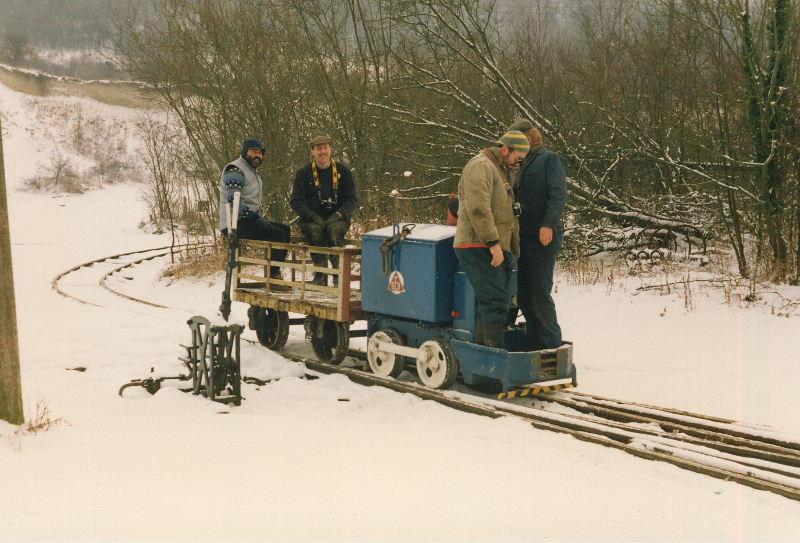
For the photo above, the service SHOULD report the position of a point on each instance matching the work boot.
(320, 261)
(493, 335)
(275, 273)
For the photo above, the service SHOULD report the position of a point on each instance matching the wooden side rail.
(298, 291)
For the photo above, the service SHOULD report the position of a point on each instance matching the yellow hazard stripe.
(522, 392)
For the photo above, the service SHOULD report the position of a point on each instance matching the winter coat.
(251, 186)
(485, 211)
(542, 192)
(307, 199)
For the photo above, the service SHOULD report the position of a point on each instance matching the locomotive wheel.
(273, 329)
(383, 363)
(329, 339)
(437, 365)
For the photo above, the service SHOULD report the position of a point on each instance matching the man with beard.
(324, 196)
(242, 176)
(487, 234)
(541, 189)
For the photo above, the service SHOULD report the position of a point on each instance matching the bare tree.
(162, 167)
(643, 98)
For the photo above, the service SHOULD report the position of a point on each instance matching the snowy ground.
(294, 463)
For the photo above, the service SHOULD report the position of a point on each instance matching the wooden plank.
(248, 261)
(607, 438)
(344, 288)
(257, 244)
(278, 302)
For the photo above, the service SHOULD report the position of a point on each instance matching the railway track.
(123, 261)
(713, 446)
(752, 456)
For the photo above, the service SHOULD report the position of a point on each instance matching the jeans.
(491, 285)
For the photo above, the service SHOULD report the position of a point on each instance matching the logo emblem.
(396, 283)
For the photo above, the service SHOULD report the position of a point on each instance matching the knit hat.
(319, 139)
(523, 125)
(251, 143)
(516, 141)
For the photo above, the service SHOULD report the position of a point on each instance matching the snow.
(329, 460)
(420, 232)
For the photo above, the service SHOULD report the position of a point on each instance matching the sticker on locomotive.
(396, 283)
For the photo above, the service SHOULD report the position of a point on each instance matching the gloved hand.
(316, 219)
(234, 181)
(335, 217)
(247, 214)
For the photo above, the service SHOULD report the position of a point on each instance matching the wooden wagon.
(328, 310)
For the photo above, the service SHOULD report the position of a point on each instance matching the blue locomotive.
(420, 311)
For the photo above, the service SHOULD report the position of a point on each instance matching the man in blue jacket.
(541, 190)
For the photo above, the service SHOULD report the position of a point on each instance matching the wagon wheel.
(437, 365)
(329, 339)
(272, 329)
(383, 363)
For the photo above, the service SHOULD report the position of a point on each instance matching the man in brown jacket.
(487, 234)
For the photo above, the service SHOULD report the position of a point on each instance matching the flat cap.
(319, 139)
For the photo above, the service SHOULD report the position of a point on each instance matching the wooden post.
(10, 387)
(344, 284)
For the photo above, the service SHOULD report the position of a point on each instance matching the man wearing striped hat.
(487, 234)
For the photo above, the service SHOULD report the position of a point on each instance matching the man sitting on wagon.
(324, 196)
(241, 175)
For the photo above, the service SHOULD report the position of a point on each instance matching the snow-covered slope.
(296, 463)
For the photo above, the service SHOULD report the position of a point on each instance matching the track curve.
(150, 254)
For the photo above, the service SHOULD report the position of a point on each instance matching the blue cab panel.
(427, 263)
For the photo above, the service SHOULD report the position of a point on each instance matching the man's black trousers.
(535, 282)
(264, 230)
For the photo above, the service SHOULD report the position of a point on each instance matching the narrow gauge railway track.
(712, 446)
(104, 280)
(55, 284)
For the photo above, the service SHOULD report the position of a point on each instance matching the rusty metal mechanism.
(386, 247)
(213, 360)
